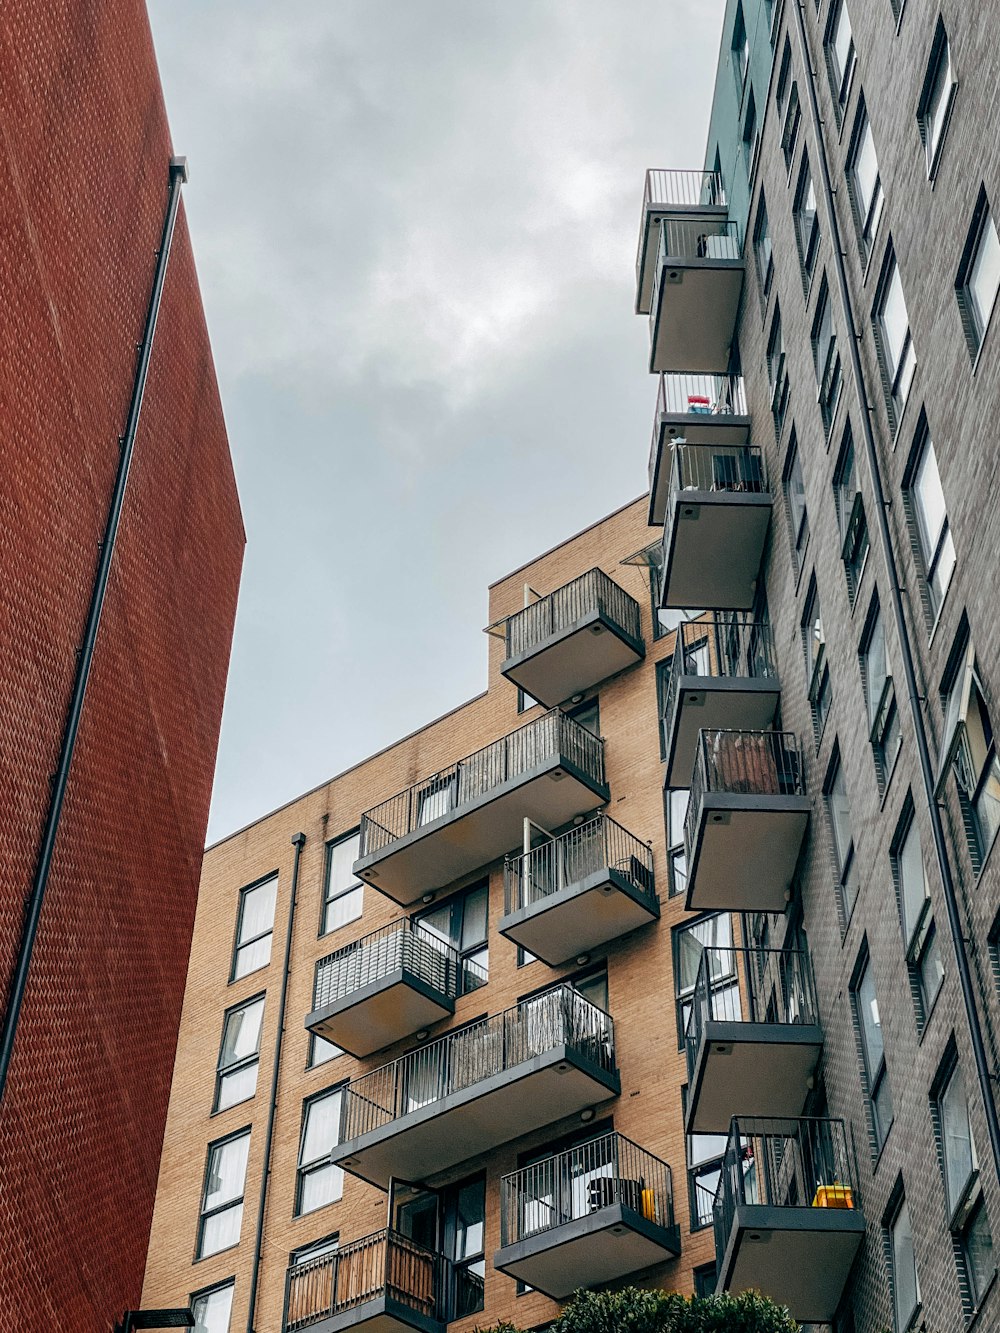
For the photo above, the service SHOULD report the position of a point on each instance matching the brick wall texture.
(84, 154)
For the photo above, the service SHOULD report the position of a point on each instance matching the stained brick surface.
(84, 153)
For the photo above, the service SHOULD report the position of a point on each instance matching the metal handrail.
(458, 1060)
(717, 648)
(695, 395)
(759, 763)
(784, 1164)
(740, 468)
(560, 610)
(382, 1264)
(583, 1180)
(708, 238)
(400, 945)
(594, 847)
(777, 985)
(554, 734)
(683, 188)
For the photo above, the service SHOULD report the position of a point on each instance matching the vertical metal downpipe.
(85, 655)
(298, 842)
(899, 618)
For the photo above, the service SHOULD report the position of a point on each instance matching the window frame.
(884, 730)
(303, 1170)
(852, 522)
(933, 146)
(793, 483)
(807, 245)
(466, 954)
(903, 1320)
(777, 372)
(898, 375)
(828, 375)
(841, 80)
(238, 1066)
(975, 322)
(240, 945)
(873, 1080)
(331, 895)
(867, 218)
(203, 1293)
(929, 557)
(845, 859)
(762, 239)
(205, 1214)
(722, 982)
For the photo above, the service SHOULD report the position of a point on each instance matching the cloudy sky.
(415, 224)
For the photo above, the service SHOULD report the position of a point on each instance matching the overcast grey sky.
(415, 225)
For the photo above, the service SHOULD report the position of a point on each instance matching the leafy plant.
(635, 1310)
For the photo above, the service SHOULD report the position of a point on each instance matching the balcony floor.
(601, 1247)
(580, 917)
(576, 658)
(695, 428)
(695, 319)
(480, 831)
(800, 1257)
(746, 851)
(424, 1143)
(381, 1314)
(381, 1013)
(715, 543)
(716, 703)
(751, 1069)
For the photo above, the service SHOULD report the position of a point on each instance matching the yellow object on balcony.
(649, 1206)
(833, 1196)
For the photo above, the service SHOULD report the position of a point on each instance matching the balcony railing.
(719, 649)
(738, 468)
(552, 735)
(720, 396)
(382, 1266)
(573, 1184)
(778, 988)
(402, 945)
(590, 849)
(678, 189)
(804, 1163)
(562, 609)
(458, 1060)
(752, 763)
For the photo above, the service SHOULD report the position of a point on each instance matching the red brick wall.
(84, 153)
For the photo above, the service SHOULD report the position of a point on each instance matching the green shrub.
(634, 1310)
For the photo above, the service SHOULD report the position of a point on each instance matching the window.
(818, 684)
(826, 357)
(806, 223)
(254, 927)
(222, 1198)
(790, 126)
(842, 837)
(676, 803)
(977, 1253)
(318, 1182)
(840, 56)
(958, 1150)
(343, 894)
(892, 338)
(436, 798)
(865, 184)
(928, 515)
(936, 98)
(777, 375)
(763, 255)
(587, 715)
(795, 503)
(926, 971)
(704, 1157)
(851, 521)
(705, 1278)
(909, 875)
(316, 1249)
(875, 1078)
(979, 275)
(690, 942)
(236, 1079)
(213, 1308)
(880, 697)
(461, 922)
(464, 1225)
(321, 1050)
(741, 49)
(969, 749)
(751, 136)
(525, 701)
(905, 1284)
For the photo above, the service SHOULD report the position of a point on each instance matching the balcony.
(787, 1214)
(593, 1214)
(717, 515)
(753, 1037)
(672, 194)
(386, 986)
(747, 816)
(692, 409)
(452, 823)
(383, 1283)
(572, 639)
(549, 1057)
(576, 892)
(723, 677)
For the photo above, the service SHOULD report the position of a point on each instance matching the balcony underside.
(381, 1013)
(425, 1143)
(716, 703)
(751, 1069)
(652, 216)
(715, 544)
(600, 1247)
(574, 659)
(800, 1257)
(697, 301)
(480, 831)
(695, 428)
(745, 853)
(580, 917)
(379, 1314)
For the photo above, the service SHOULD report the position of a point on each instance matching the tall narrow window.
(826, 357)
(741, 48)
(464, 1226)
(979, 275)
(923, 954)
(842, 836)
(343, 894)
(840, 56)
(676, 803)
(795, 503)
(776, 373)
(212, 1308)
(714, 934)
(254, 927)
(967, 1219)
(818, 684)
(222, 1199)
(763, 256)
(969, 749)
(905, 1283)
(704, 1158)
(318, 1181)
(236, 1080)
(462, 922)
(936, 98)
(790, 126)
(751, 136)
(865, 183)
(929, 522)
(321, 1050)
(872, 1051)
(892, 338)
(880, 697)
(806, 223)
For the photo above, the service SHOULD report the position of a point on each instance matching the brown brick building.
(84, 187)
